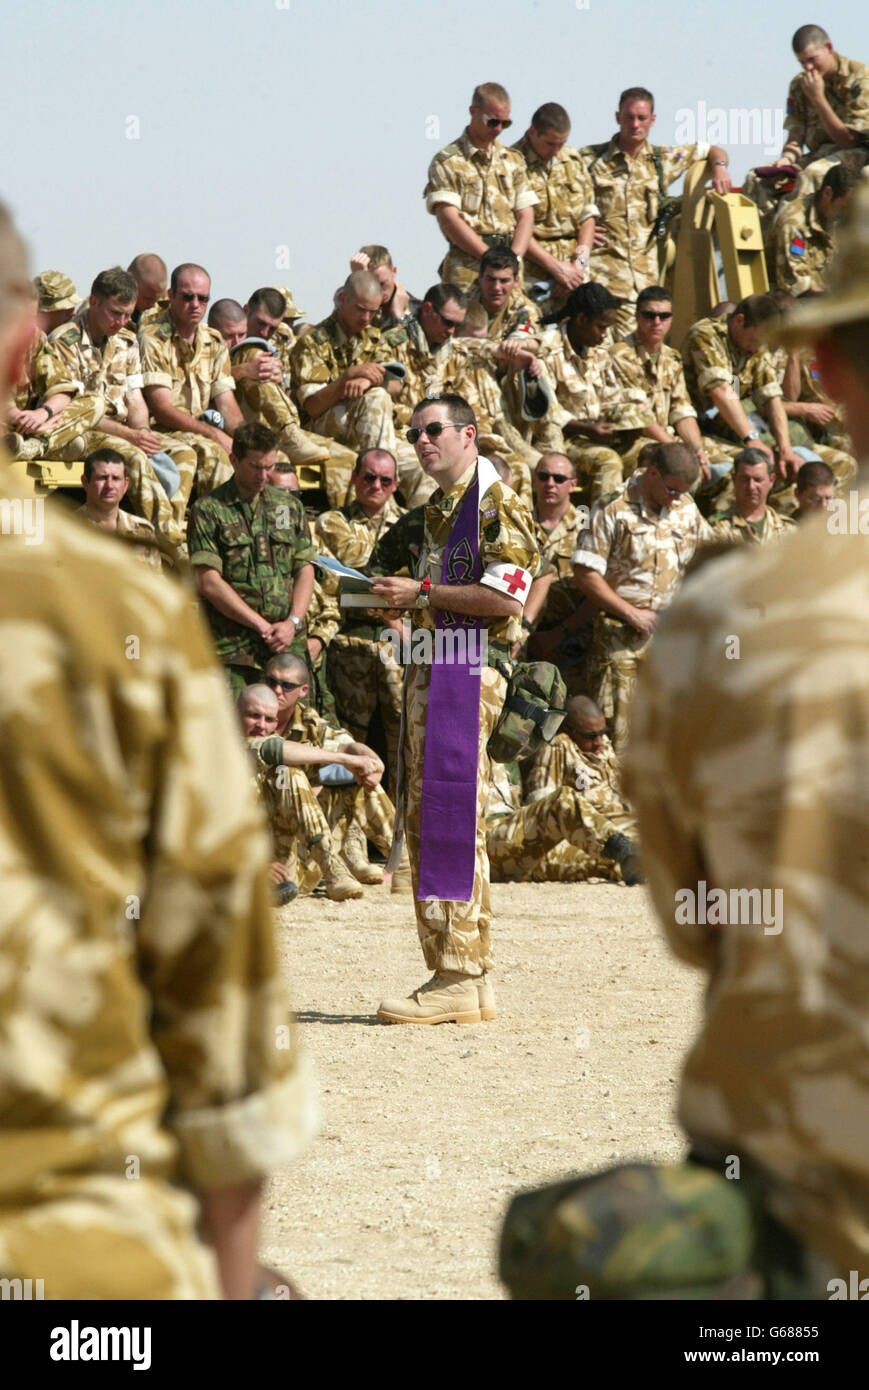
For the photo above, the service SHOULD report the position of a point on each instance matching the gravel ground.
(426, 1132)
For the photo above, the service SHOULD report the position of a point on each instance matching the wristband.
(526, 624)
(49, 413)
(424, 592)
(297, 622)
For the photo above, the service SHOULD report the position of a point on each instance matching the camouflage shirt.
(195, 373)
(565, 196)
(305, 725)
(517, 315)
(266, 401)
(350, 535)
(78, 365)
(641, 554)
(847, 92)
(258, 547)
(562, 763)
(730, 526)
(135, 529)
(508, 551)
(424, 364)
(143, 1013)
(585, 384)
(711, 358)
(749, 776)
(661, 378)
(326, 351)
(488, 190)
(627, 192)
(558, 545)
(800, 247)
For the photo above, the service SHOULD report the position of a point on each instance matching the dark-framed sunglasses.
(188, 296)
(378, 479)
(552, 477)
(433, 431)
(277, 684)
(651, 314)
(494, 124)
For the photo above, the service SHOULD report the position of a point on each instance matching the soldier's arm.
(456, 230)
(595, 587)
(839, 133)
(725, 399)
(523, 231)
(172, 417)
(212, 586)
(227, 404)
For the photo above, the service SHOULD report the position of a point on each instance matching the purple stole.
(448, 822)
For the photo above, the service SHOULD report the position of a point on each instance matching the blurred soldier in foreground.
(151, 1078)
(749, 778)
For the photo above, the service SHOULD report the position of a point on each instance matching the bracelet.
(49, 413)
(424, 591)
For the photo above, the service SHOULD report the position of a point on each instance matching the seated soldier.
(252, 559)
(152, 279)
(499, 290)
(294, 812)
(802, 233)
(749, 520)
(354, 813)
(56, 298)
(105, 481)
(230, 320)
(824, 437)
(815, 488)
(397, 304)
(564, 216)
(733, 383)
(97, 355)
(563, 627)
(31, 422)
(645, 361)
(363, 672)
(827, 114)
(262, 394)
(339, 380)
(573, 824)
(598, 418)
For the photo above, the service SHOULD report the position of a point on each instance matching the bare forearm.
(774, 412)
(213, 587)
(595, 587)
(477, 600)
(303, 588)
(171, 417)
(456, 230)
(320, 401)
(522, 234)
(231, 1219)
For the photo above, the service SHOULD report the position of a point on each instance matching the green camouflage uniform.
(258, 547)
(455, 935)
(147, 1046)
(565, 199)
(586, 388)
(363, 672)
(750, 774)
(642, 555)
(487, 189)
(627, 190)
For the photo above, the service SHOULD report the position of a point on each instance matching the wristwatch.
(752, 434)
(298, 623)
(424, 591)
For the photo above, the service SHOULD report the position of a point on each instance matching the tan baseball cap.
(55, 291)
(847, 296)
(291, 311)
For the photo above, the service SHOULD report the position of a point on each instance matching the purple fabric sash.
(448, 822)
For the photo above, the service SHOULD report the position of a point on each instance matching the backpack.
(533, 710)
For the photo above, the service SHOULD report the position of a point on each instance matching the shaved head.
(288, 665)
(580, 708)
(149, 269)
(257, 694)
(361, 283)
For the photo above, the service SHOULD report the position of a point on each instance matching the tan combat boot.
(448, 997)
(402, 878)
(486, 997)
(339, 885)
(354, 853)
(22, 446)
(299, 447)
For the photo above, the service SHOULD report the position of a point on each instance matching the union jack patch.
(798, 246)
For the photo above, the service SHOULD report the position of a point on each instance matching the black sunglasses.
(377, 478)
(653, 314)
(434, 430)
(188, 297)
(493, 123)
(552, 477)
(283, 685)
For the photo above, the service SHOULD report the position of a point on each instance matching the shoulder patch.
(489, 513)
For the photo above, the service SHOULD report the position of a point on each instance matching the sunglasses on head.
(552, 477)
(433, 431)
(655, 314)
(188, 296)
(283, 685)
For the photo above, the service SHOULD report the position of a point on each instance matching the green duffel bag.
(533, 709)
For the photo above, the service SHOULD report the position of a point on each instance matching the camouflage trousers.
(599, 471)
(460, 268)
(616, 651)
(208, 467)
(372, 811)
(296, 819)
(557, 839)
(364, 675)
(268, 402)
(102, 1236)
(82, 414)
(454, 935)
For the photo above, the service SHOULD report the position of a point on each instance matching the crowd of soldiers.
(528, 401)
(201, 441)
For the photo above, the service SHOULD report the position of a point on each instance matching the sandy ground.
(427, 1131)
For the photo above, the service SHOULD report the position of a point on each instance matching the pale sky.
(272, 138)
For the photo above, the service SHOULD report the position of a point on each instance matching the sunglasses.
(189, 297)
(673, 491)
(283, 685)
(653, 314)
(377, 478)
(553, 477)
(433, 431)
(450, 324)
(494, 124)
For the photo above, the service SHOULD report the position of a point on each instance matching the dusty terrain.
(426, 1132)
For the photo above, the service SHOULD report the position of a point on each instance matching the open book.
(355, 588)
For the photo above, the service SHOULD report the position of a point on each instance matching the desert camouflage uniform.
(363, 672)
(518, 315)
(751, 775)
(565, 199)
(468, 372)
(156, 311)
(258, 547)
(555, 839)
(642, 555)
(456, 935)
(799, 247)
(847, 92)
(31, 386)
(195, 374)
(147, 1046)
(662, 378)
(488, 191)
(271, 404)
(137, 530)
(586, 388)
(711, 358)
(372, 811)
(294, 813)
(831, 442)
(627, 192)
(729, 526)
(320, 357)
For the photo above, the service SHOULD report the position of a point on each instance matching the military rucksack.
(533, 709)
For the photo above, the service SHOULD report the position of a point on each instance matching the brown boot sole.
(472, 1016)
(488, 1014)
